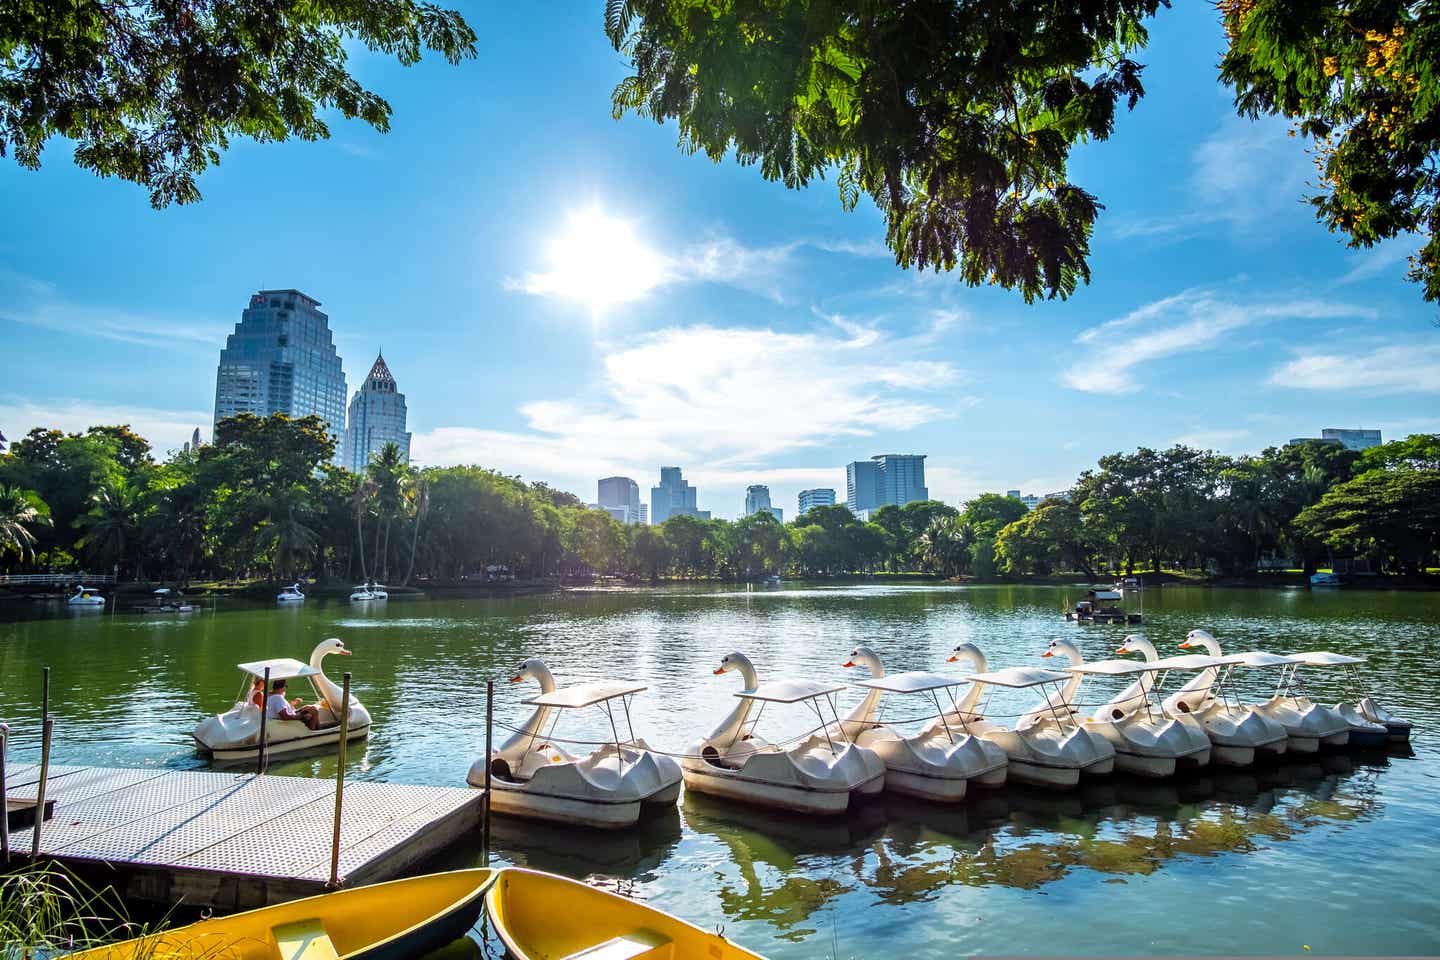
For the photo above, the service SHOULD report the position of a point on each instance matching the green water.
(1335, 852)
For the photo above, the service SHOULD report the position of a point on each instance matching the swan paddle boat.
(1148, 742)
(1239, 733)
(540, 916)
(384, 921)
(1049, 749)
(1306, 723)
(1371, 725)
(818, 775)
(939, 761)
(85, 597)
(532, 776)
(290, 594)
(369, 592)
(235, 734)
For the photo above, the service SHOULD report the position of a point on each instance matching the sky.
(565, 297)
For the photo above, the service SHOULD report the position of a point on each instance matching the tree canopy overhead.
(153, 90)
(957, 117)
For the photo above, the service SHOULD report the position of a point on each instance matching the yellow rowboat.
(544, 917)
(398, 920)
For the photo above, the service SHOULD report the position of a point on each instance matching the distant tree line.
(264, 501)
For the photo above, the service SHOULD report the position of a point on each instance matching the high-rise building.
(644, 514)
(889, 478)
(377, 417)
(757, 498)
(1352, 439)
(1031, 500)
(281, 359)
(621, 497)
(673, 497)
(818, 497)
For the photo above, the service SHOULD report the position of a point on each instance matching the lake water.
(1336, 852)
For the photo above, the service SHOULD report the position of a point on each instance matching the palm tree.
(946, 544)
(390, 475)
(112, 524)
(364, 493)
(422, 507)
(19, 511)
(284, 535)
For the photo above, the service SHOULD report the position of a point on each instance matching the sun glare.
(599, 261)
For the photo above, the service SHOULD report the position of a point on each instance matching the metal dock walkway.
(232, 841)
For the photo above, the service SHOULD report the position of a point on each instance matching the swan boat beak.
(718, 670)
(848, 663)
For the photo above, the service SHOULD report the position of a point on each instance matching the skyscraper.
(281, 359)
(620, 496)
(1352, 439)
(673, 497)
(757, 498)
(377, 417)
(818, 497)
(889, 478)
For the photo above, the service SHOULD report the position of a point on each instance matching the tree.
(112, 524)
(649, 553)
(1393, 513)
(1049, 538)
(20, 511)
(685, 538)
(957, 117)
(152, 91)
(946, 546)
(1358, 78)
(389, 476)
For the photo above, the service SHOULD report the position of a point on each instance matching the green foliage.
(153, 91)
(1361, 80)
(1391, 512)
(21, 513)
(956, 117)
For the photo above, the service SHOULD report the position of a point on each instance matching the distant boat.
(1325, 580)
(369, 591)
(86, 597)
(290, 594)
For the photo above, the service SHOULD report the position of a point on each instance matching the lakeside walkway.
(232, 841)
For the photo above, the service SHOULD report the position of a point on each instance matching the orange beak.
(848, 663)
(1048, 653)
(1184, 644)
(1122, 649)
(718, 670)
(516, 679)
(952, 659)
(343, 652)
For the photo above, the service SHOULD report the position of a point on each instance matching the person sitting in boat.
(257, 692)
(280, 708)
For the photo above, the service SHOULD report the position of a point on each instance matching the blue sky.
(750, 333)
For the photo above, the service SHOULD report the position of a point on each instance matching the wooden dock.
(232, 841)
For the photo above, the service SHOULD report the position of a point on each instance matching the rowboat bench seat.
(629, 946)
(304, 940)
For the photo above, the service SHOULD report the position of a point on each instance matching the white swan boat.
(1238, 732)
(939, 761)
(235, 734)
(85, 597)
(819, 775)
(532, 776)
(1371, 725)
(1148, 742)
(368, 592)
(290, 594)
(1308, 724)
(1050, 750)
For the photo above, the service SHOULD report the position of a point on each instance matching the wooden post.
(334, 883)
(485, 801)
(5, 796)
(46, 730)
(264, 711)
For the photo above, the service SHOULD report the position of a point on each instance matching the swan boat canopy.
(532, 776)
(86, 597)
(1365, 716)
(1238, 732)
(938, 762)
(1308, 724)
(367, 592)
(290, 594)
(818, 775)
(235, 734)
(1148, 742)
(1046, 749)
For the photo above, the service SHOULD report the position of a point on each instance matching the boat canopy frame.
(602, 693)
(812, 693)
(918, 682)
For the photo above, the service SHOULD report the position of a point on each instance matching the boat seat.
(628, 946)
(304, 940)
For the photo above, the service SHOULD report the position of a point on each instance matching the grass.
(45, 910)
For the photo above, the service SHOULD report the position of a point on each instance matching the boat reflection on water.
(622, 855)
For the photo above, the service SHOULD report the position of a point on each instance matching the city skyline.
(1220, 314)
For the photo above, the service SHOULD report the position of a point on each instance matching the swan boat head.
(1136, 643)
(1201, 638)
(535, 669)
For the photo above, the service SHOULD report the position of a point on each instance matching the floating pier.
(232, 841)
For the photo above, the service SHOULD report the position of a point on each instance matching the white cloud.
(1186, 322)
(725, 400)
(37, 303)
(1386, 258)
(1223, 440)
(165, 429)
(1408, 368)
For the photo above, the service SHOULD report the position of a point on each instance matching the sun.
(598, 260)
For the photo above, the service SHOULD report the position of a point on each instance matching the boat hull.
(1039, 775)
(311, 740)
(796, 799)
(599, 815)
(385, 921)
